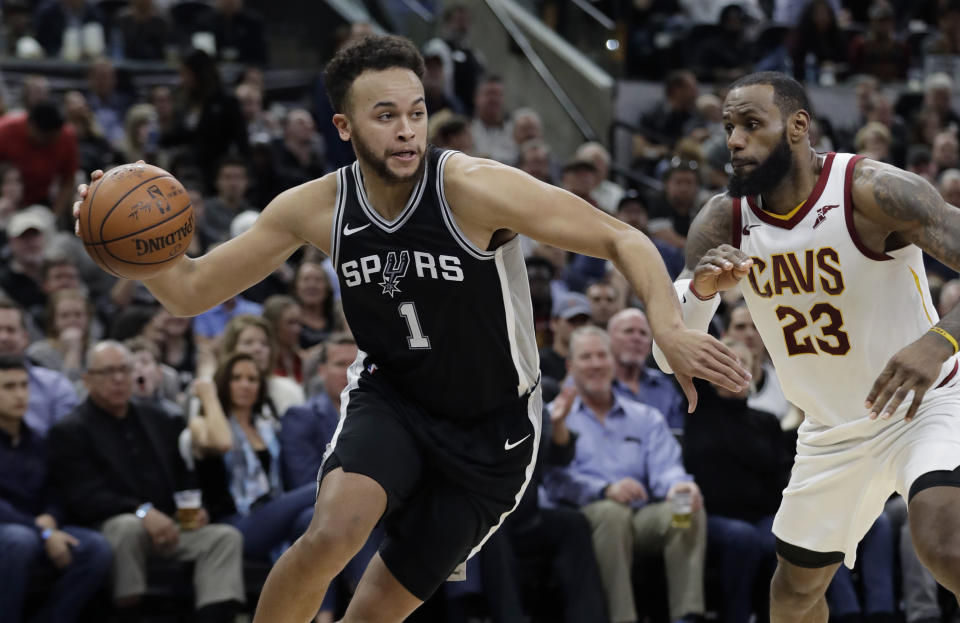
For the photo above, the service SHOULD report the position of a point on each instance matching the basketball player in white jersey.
(440, 419)
(827, 251)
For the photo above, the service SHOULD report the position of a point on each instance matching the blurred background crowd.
(111, 408)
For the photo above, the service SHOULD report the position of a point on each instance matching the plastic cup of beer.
(189, 503)
(682, 505)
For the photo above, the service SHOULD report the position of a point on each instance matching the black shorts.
(449, 483)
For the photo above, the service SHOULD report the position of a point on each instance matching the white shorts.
(844, 474)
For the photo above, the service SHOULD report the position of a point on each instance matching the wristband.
(698, 295)
(947, 337)
(46, 534)
(143, 509)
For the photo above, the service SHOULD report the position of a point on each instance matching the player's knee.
(798, 591)
(338, 538)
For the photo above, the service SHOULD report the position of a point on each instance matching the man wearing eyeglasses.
(115, 464)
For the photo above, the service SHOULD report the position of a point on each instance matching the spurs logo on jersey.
(395, 266)
(831, 311)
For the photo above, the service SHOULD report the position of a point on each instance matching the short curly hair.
(373, 52)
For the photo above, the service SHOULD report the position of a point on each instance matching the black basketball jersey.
(449, 324)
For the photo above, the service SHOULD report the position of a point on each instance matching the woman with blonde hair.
(253, 335)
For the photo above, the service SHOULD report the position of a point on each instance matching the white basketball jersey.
(831, 312)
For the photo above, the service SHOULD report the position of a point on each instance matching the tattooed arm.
(898, 205)
(713, 264)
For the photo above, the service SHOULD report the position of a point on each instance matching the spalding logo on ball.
(136, 220)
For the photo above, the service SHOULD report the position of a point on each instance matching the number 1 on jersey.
(416, 340)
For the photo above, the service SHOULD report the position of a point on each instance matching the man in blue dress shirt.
(31, 536)
(626, 473)
(630, 342)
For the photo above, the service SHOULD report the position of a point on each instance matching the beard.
(379, 163)
(766, 175)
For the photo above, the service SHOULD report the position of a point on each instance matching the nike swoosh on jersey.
(347, 231)
(510, 446)
(747, 228)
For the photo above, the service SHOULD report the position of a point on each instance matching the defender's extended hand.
(694, 353)
(915, 367)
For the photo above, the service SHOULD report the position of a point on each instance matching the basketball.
(136, 220)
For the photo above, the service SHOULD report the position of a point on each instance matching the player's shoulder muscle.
(305, 211)
(712, 227)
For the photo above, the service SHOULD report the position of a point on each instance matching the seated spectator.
(438, 79)
(45, 150)
(630, 344)
(625, 474)
(33, 537)
(234, 444)
(252, 335)
(230, 200)
(527, 126)
(946, 151)
(56, 18)
(11, 193)
(209, 325)
(260, 125)
(206, 122)
(492, 129)
(145, 31)
(660, 127)
(69, 316)
(540, 273)
(873, 141)
(946, 38)
(283, 314)
(52, 396)
(94, 150)
(817, 47)
(141, 136)
(606, 193)
(238, 32)
(570, 312)
(454, 133)
(311, 287)
(108, 103)
(177, 348)
(21, 278)
(148, 377)
(673, 212)
(298, 155)
(738, 457)
(632, 211)
(878, 52)
(115, 463)
(727, 55)
(605, 301)
(766, 393)
(534, 159)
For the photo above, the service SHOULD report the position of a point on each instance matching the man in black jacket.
(115, 465)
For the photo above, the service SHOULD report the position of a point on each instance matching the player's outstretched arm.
(489, 197)
(193, 285)
(896, 203)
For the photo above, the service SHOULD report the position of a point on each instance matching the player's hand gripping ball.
(136, 221)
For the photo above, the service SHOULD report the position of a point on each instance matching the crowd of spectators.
(111, 408)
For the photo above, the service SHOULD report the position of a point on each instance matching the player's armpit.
(300, 215)
(900, 202)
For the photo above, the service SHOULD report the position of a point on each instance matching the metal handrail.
(542, 70)
(420, 11)
(598, 15)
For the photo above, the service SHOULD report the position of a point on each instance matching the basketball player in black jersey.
(440, 420)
